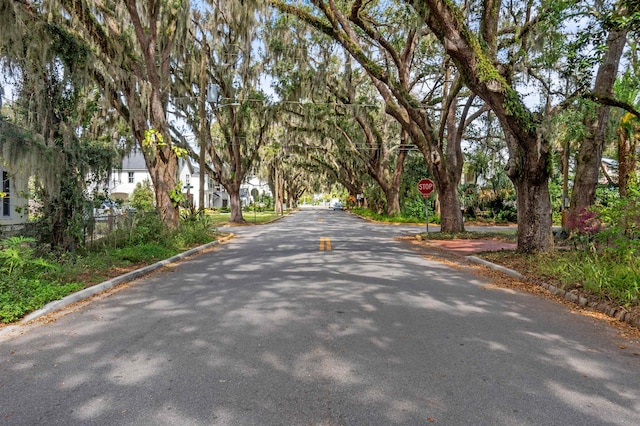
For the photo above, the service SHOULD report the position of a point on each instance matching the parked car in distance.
(107, 208)
(335, 204)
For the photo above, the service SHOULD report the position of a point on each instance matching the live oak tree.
(476, 57)
(344, 113)
(375, 140)
(494, 58)
(286, 168)
(220, 97)
(319, 132)
(55, 132)
(131, 45)
(407, 68)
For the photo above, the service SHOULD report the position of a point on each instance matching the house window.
(188, 179)
(6, 192)
(130, 177)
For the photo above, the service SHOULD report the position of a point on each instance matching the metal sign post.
(426, 209)
(425, 186)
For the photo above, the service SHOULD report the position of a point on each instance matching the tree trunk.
(277, 195)
(534, 215)
(589, 155)
(627, 146)
(392, 194)
(450, 212)
(236, 204)
(530, 176)
(282, 193)
(529, 162)
(588, 159)
(446, 177)
(163, 174)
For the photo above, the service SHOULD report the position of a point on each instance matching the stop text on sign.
(425, 186)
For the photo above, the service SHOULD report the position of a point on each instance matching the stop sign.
(425, 186)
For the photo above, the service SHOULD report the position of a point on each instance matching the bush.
(143, 197)
(28, 282)
(601, 274)
(195, 228)
(18, 259)
(414, 208)
(606, 260)
(360, 211)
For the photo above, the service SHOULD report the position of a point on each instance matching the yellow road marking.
(325, 244)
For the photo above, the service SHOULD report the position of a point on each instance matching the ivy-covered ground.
(31, 276)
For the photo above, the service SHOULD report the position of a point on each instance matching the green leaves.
(176, 195)
(17, 258)
(25, 295)
(23, 287)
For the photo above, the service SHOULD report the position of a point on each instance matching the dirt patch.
(467, 247)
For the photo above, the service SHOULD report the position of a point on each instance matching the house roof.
(134, 161)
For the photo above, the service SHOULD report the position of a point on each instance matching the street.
(319, 318)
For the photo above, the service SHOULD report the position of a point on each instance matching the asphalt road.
(319, 319)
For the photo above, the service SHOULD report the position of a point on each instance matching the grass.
(28, 282)
(366, 213)
(25, 295)
(609, 274)
(601, 275)
(95, 267)
(222, 218)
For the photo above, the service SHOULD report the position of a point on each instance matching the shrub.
(17, 258)
(414, 208)
(23, 282)
(143, 197)
(195, 228)
(608, 241)
(148, 227)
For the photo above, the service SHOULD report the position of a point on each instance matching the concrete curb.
(106, 285)
(507, 271)
(614, 311)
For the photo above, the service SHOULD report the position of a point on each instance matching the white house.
(14, 211)
(261, 188)
(123, 181)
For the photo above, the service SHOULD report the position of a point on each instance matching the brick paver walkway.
(468, 247)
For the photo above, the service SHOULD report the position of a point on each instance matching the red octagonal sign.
(425, 186)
